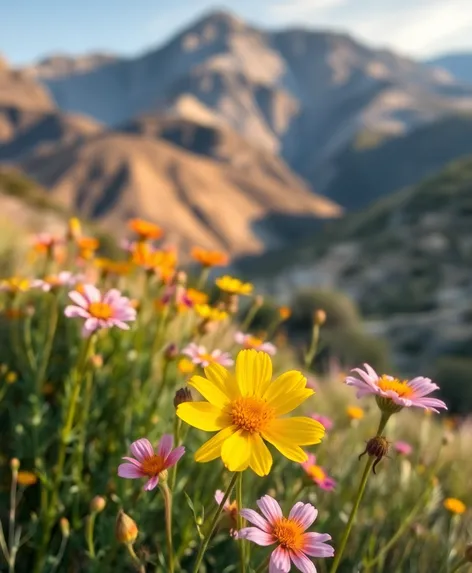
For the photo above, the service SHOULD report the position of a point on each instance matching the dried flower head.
(182, 395)
(377, 447)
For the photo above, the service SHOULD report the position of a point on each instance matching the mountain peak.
(224, 21)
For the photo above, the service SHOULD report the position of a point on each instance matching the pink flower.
(230, 510)
(100, 311)
(318, 474)
(403, 393)
(177, 294)
(289, 533)
(326, 422)
(403, 448)
(64, 278)
(250, 341)
(147, 463)
(202, 357)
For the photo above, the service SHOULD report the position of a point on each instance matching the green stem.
(214, 523)
(239, 502)
(48, 345)
(89, 528)
(12, 513)
(264, 565)
(168, 513)
(251, 314)
(461, 563)
(135, 558)
(203, 278)
(311, 353)
(360, 492)
(173, 471)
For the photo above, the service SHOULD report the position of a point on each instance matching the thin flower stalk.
(89, 531)
(240, 522)
(167, 494)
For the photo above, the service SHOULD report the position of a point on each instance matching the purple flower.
(403, 448)
(202, 357)
(318, 474)
(250, 341)
(100, 311)
(64, 278)
(326, 422)
(403, 393)
(293, 544)
(149, 464)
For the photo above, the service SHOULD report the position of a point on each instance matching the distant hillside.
(406, 260)
(458, 65)
(112, 177)
(60, 65)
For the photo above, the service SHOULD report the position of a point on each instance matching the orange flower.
(27, 478)
(145, 230)
(455, 505)
(285, 312)
(109, 267)
(185, 366)
(87, 247)
(209, 258)
(197, 296)
(355, 413)
(162, 262)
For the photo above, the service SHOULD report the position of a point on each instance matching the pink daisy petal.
(315, 546)
(256, 535)
(75, 312)
(132, 461)
(256, 519)
(302, 563)
(129, 471)
(304, 513)
(165, 445)
(151, 483)
(91, 324)
(91, 293)
(76, 297)
(219, 495)
(270, 508)
(174, 456)
(279, 561)
(141, 449)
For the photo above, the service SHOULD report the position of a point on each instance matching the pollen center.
(251, 414)
(253, 342)
(399, 386)
(100, 310)
(207, 357)
(289, 534)
(153, 465)
(316, 473)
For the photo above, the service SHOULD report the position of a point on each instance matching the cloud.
(301, 8)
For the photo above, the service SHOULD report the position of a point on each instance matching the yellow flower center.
(253, 342)
(100, 310)
(153, 465)
(316, 473)
(289, 533)
(251, 414)
(207, 357)
(399, 386)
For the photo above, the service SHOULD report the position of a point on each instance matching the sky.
(32, 29)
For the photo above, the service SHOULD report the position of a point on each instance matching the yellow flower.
(355, 413)
(145, 230)
(454, 505)
(87, 247)
(27, 478)
(209, 258)
(74, 228)
(285, 312)
(245, 409)
(119, 268)
(185, 366)
(209, 313)
(233, 286)
(14, 285)
(11, 377)
(197, 296)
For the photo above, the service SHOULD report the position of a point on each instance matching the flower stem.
(239, 502)
(458, 566)
(173, 471)
(135, 558)
(216, 517)
(360, 492)
(251, 314)
(168, 512)
(264, 565)
(311, 352)
(89, 527)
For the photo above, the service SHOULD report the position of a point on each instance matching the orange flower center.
(251, 414)
(289, 533)
(207, 357)
(316, 473)
(100, 310)
(153, 465)
(253, 342)
(399, 386)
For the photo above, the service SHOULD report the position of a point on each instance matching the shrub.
(454, 376)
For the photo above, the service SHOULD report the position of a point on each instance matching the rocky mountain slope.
(458, 65)
(305, 94)
(247, 204)
(406, 260)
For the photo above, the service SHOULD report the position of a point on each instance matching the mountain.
(458, 65)
(241, 206)
(406, 261)
(60, 65)
(307, 95)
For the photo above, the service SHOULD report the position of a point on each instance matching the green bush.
(454, 376)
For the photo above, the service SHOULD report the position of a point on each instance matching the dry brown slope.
(113, 176)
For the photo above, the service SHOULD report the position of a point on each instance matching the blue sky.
(30, 29)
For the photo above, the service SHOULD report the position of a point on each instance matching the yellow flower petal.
(224, 379)
(212, 449)
(210, 391)
(285, 446)
(236, 451)
(253, 372)
(282, 386)
(284, 403)
(204, 416)
(301, 431)
(261, 459)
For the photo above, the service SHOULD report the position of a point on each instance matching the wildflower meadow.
(147, 425)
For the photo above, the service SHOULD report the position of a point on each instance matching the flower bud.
(258, 300)
(171, 352)
(96, 360)
(319, 317)
(126, 530)
(232, 303)
(65, 526)
(15, 464)
(181, 396)
(98, 504)
(74, 229)
(377, 448)
(468, 553)
(163, 475)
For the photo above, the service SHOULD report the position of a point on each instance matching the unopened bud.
(181, 278)
(171, 352)
(65, 526)
(319, 317)
(468, 553)
(15, 464)
(163, 475)
(258, 300)
(74, 229)
(377, 448)
(126, 530)
(232, 304)
(98, 504)
(181, 396)
(96, 361)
